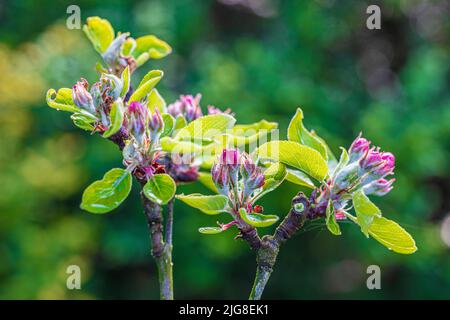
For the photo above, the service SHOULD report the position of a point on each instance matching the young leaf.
(296, 155)
(171, 145)
(150, 47)
(343, 161)
(274, 176)
(208, 204)
(160, 188)
(244, 134)
(61, 100)
(169, 123)
(128, 47)
(206, 180)
(210, 230)
(299, 178)
(365, 210)
(298, 133)
(116, 115)
(125, 77)
(258, 220)
(107, 194)
(180, 123)
(330, 220)
(206, 127)
(100, 32)
(83, 120)
(148, 82)
(392, 236)
(155, 101)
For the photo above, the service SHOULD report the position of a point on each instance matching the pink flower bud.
(229, 157)
(371, 160)
(138, 120)
(379, 187)
(220, 177)
(359, 148)
(81, 96)
(214, 110)
(187, 106)
(192, 107)
(156, 122)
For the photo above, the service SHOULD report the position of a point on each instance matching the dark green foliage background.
(392, 84)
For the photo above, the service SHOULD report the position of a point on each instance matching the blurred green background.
(262, 58)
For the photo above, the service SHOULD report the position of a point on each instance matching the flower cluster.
(366, 169)
(97, 101)
(188, 107)
(237, 177)
(142, 152)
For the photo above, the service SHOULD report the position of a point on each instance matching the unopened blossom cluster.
(188, 107)
(142, 153)
(237, 177)
(96, 102)
(367, 169)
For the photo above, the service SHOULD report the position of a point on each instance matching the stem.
(161, 252)
(270, 244)
(261, 278)
(169, 222)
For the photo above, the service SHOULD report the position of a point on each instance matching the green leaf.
(100, 32)
(174, 146)
(160, 188)
(208, 204)
(295, 155)
(148, 82)
(206, 180)
(125, 77)
(155, 101)
(61, 100)
(116, 118)
(128, 47)
(206, 127)
(298, 133)
(258, 220)
(150, 47)
(274, 176)
(299, 178)
(210, 230)
(365, 210)
(180, 122)
(343, 161)
(330, 220)
(107, 194)
(392, 236)
(244, 134)
(84, 120)
(169, 123)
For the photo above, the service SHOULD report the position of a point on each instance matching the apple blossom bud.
(156, 122)
(358, 148)
(379, 187)
(81, 96)
(220, 177)
(388, 164)
(192, 107)
(214, 110)
(251, 174)
(138, 120)
(372, 160)
(229, 157)
(187, 106)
